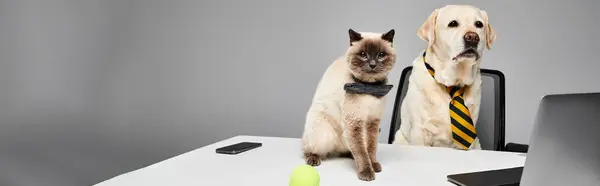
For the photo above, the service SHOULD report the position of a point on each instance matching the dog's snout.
(471, 38)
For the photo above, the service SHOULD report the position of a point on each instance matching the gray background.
(91, 89)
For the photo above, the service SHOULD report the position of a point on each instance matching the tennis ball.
(304, 175)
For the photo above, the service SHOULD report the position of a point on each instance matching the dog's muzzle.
(471, 40)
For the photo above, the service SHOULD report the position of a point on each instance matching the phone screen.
(238, 148)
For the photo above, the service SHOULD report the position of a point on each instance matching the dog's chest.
(442, 108)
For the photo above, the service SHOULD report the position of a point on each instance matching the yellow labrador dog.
(442, 102)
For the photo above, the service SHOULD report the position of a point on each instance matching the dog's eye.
(362, 54)
(381, 55)
(453, 24)
(478, 24)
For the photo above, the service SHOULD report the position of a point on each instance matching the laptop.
(564, 147)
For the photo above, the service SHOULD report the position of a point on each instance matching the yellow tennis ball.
(304, 175)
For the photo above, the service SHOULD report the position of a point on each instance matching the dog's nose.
(471, 37)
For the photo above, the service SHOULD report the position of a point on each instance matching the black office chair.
(490, 124)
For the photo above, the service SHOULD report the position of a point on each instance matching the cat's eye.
(381, 55)
(362, 54)
(453, 24)
(478, 24)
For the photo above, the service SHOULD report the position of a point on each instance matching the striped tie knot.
(455, 91)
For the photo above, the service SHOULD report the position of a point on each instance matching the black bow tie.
(377, 89)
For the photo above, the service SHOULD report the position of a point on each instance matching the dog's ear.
(427, 30)
(490, 34)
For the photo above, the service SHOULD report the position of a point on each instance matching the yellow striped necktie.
(463, 130)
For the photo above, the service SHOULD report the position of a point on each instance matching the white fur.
(424, 110)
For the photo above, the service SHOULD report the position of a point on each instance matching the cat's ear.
(354, 36)
(427, 30)
(388, 36)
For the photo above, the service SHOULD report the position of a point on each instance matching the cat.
(344, 117)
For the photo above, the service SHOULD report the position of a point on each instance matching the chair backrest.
(490, 124)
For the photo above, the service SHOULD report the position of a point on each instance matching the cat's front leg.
(354, 135)
(372, 129)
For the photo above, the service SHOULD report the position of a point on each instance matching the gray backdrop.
(91, 89)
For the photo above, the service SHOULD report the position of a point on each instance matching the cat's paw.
(366, 175)
(376, 167)
(312, 159)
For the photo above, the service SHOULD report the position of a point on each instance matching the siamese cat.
(343, 119)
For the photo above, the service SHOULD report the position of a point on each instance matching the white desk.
(272, 164)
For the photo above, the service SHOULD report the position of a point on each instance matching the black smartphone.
(238, 148)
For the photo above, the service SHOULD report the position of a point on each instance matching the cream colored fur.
(424, 110)
(324, 128)
(333, 112)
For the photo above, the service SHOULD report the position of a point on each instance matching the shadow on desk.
(515, 147)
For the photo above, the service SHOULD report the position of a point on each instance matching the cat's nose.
(372, 64)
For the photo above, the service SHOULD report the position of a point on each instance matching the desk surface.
(272, 164)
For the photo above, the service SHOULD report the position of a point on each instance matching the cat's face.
(371, 55)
